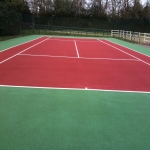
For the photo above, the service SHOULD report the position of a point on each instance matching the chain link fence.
(15, 24)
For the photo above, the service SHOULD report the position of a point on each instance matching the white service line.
(20, 44)
(23, 51)
(76, 48)
(109, 59)
(34, 55)
(81, 89)
(125, 52)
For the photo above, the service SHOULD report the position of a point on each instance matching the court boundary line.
(32, 55)
(79, 89)
(76, 48)
(21, 44)
(127, 48)
(74, 37)
(22, 51)
(84, 40)
(126, 53)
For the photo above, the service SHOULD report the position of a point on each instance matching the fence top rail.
(147, 33)
(129, 31)
(134, 36)
(114, 30)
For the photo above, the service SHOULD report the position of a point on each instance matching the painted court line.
(82, 40)
(126, 53)
(46, 56)
(109, 59)
(128, 48)
(23, 51)
(21, 44)
(75, 57)
(76, 48)
(81, 89)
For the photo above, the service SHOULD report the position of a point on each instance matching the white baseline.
(82, 89)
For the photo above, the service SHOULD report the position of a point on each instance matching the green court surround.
(54, 119)
(42, 119)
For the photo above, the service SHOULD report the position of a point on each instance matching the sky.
(143, 1)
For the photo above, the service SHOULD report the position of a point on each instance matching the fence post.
(144, 37)
(111, 32)
(120, 33)
(130, 35)
(139, 37)
(126, 34)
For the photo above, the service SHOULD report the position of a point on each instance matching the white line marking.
(47, 56)
(20, 44)
(73, 40)
(126, 53)
(76, 48)
(128, 48)
(75, 57)
(82, 89)
(23, 51)
(75, 37)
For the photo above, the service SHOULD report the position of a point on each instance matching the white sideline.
(127, 48)
(126, 53)
(23, 51)
(20, 44)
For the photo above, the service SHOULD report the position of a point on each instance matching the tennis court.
(74, 93)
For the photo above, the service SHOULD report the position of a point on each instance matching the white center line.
(76, 48)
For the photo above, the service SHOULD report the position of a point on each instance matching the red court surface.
(54, 48)
(15, 50)
(98, 49)
(75, 63)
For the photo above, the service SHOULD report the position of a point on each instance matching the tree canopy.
(116, 14)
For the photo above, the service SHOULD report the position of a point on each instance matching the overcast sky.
(143, 1)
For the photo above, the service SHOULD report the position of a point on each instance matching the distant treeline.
(104, 14)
